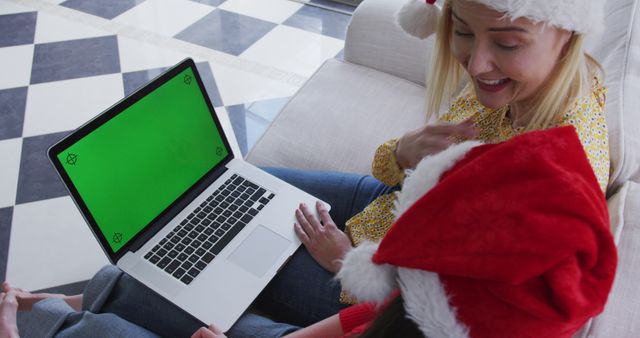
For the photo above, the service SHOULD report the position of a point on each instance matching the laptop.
(157, 182)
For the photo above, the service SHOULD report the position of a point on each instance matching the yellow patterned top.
(586, 115)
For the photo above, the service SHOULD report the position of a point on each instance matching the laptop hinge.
(177, 207)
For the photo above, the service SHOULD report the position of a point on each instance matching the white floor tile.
(276, 11)
(164, 17)
(136, 55)
(238, 87)
(10, 154)
(51, 245)
(7, 7)
(293, 49)
(15, 66)
(50, 28)
(66, 105)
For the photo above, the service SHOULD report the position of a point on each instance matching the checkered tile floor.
(63, 62)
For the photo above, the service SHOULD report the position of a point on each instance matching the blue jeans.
(301, 294)
(116, 305)
(141, 306)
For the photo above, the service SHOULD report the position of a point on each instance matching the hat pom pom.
(365, 280)
(418, 18)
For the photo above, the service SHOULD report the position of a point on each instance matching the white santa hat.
(419, 17)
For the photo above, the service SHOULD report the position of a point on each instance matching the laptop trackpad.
(259, 251)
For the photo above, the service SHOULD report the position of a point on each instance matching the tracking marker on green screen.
(133, 167)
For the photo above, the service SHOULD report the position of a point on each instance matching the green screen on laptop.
(131, 168)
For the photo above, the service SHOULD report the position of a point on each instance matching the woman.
(524, 68)
(517, 75)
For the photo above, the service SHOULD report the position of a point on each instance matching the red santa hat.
(499, 240)
(419, 17)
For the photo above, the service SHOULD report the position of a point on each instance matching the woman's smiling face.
(508, 61)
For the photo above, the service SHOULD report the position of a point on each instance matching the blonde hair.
(572, 77)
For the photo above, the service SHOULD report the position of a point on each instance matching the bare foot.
(8, 309)
(26, 299)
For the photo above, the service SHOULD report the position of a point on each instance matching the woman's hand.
(8, 315)
(209, 332)
(325, 242)
(429, 140)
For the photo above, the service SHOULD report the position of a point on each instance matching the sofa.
(350, 106)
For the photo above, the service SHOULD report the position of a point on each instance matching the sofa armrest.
(621, 317)
(374, 40)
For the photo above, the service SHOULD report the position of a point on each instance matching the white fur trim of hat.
(419, 17)
(425, 298)
(427, 304)
(427, 174)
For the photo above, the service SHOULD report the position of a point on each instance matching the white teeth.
(493, 82)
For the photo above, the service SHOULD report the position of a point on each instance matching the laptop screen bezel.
(174, 208)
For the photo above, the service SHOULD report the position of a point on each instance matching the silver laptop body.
(233, 241)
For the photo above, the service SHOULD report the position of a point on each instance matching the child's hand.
(209, 332)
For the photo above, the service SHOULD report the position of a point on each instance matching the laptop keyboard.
(193, 244)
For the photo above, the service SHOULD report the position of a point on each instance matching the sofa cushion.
(376, 41)
(357, 101)
(618, 50)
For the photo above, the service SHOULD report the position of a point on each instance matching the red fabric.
(519, 234)
(355, 319)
